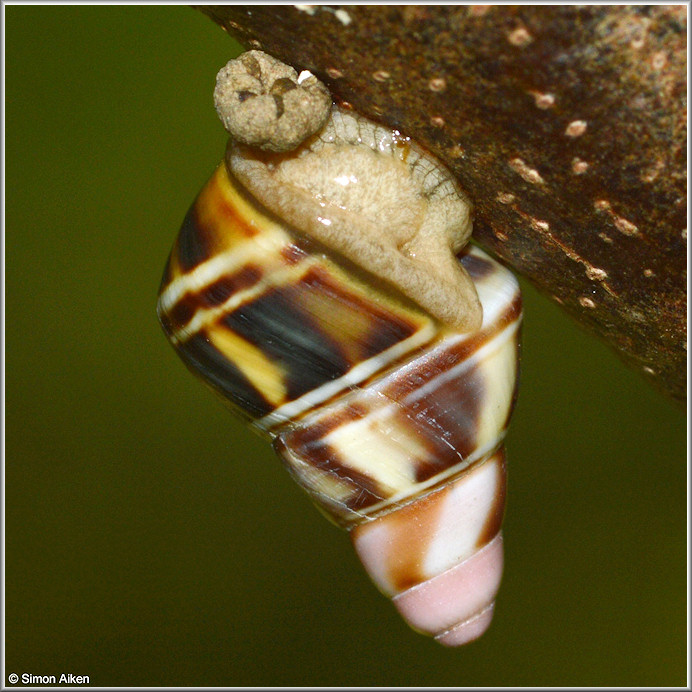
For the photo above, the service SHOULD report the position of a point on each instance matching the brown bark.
(565, 124)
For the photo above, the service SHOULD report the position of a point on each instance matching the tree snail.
(321, 283)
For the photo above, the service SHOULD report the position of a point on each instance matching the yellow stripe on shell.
(204, 317)
(265, 249)
(499, 356)
(267, 377)
(222, 190)
(378, 448)
(234, 250)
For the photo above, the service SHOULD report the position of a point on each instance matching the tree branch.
(565, 124)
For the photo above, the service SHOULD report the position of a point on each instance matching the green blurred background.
(152, 540)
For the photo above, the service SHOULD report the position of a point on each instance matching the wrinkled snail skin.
(391, 417)
(377, 199)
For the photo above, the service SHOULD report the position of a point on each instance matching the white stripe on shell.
(381, 472)
(228, 262)
(205, 316)
(358, 373)
(494, 344)
(461, 517)
(416, 492)
(496, 291)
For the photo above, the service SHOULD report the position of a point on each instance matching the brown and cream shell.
(381, 366)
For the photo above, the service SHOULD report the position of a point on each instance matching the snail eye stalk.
(323, 285)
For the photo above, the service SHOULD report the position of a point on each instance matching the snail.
(322, 284)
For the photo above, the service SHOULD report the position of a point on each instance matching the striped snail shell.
(319, 293)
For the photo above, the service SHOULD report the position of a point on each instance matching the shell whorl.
(386, 411)
(382, 414)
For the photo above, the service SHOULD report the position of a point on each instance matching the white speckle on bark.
(624, 226)
(457, 152)
(579, 166)
(539, 225)
(437, 84)
(530, 175)
(596, 274)
(520, 37)
(308, 9)
(576, 128)
(659, 60)
(343, 16)
(543, 101)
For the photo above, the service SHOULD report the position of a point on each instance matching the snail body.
(318, 292)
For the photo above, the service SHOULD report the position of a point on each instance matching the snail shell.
(386, 406)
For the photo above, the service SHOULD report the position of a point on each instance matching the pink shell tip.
(469, 630)
(455, 596)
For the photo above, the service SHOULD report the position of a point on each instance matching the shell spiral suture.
(380, 406)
